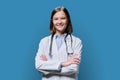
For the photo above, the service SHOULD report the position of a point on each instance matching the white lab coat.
(51, 68)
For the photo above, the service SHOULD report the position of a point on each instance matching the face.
(60, 22)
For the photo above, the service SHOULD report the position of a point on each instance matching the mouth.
(60, 25)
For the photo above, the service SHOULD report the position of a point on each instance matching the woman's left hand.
(72, 60)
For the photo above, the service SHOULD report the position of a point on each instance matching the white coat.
(51, 68)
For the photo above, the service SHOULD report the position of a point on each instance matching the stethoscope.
(68, 43)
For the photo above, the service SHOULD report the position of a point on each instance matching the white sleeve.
(74, 68)
(45, 67)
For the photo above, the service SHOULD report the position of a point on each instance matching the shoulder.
(45, 39)
(77, 42)
(76, 39)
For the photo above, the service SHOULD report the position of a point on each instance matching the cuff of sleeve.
(60, 67)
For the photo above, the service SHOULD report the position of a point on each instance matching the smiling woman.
(59, 22)
(59, 54)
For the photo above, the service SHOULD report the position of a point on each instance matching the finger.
(76, 63)
(75, 56)
(76, 60)
(43, 57)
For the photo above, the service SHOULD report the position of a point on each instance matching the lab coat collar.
(63, 35)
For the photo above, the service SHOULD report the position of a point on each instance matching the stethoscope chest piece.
(69, 46)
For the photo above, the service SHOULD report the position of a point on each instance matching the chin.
(61, 29)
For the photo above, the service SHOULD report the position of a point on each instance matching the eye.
(55, 18)
(63, 18)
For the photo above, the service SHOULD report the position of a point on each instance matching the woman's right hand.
(43, 57)
(72, 60)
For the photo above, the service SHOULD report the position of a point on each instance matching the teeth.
(59, 25)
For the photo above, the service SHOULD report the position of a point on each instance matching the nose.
(59, 20)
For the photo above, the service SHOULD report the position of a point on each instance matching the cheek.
(66, 22)
(54, 22)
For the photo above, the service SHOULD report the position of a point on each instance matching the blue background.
(24, 22)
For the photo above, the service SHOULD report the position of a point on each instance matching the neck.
(59, 34)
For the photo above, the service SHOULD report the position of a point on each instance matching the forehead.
(59, 14)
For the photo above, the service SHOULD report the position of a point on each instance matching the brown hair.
(68, 29)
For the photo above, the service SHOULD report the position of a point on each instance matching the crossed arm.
(47, 66)
(74, 59)
(58, 67)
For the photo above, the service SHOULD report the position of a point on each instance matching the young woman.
(59, 54)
